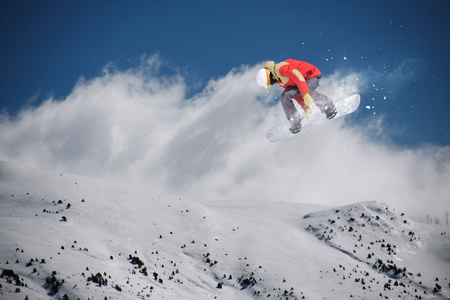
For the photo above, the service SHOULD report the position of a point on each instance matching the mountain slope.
(67, 236)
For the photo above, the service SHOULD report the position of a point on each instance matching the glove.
(307, 110)
(307, 98)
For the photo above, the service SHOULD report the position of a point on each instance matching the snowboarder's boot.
(330, 112)
(296, 126)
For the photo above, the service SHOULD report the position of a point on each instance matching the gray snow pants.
(322, 101)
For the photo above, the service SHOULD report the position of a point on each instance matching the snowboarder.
(300, 81)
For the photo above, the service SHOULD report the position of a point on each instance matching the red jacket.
(297, 72)
(294, 73)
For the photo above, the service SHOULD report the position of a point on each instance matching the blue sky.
(401, 46)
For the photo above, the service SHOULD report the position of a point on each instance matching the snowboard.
(343, 107)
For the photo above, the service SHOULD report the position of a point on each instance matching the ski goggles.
(268, 78)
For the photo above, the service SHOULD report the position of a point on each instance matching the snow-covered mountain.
(64, 236)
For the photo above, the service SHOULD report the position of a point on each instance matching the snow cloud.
(139, 126)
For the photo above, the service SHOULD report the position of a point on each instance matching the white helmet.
(263, 78)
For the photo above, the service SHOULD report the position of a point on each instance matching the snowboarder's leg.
(291, 112)
(322, 101)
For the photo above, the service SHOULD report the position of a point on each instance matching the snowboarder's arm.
(302, 86)
(308, 99)
(296, 76)
(305, 107)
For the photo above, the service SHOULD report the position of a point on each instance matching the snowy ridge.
(71, 237)
(373, 235)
